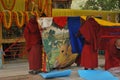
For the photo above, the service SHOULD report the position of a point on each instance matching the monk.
(112, 54)
(33, 45)
(89, 56)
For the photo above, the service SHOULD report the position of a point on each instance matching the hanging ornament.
(7, 19)
(36, 13)
(1, 15)
(19, 19)
(28, 15)
(43, 7)
(8, 4)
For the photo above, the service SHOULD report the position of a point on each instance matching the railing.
(15, 49)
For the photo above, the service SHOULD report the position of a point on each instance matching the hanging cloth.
(76, 42)
(60, 21)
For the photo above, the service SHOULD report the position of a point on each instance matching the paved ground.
(18, 71)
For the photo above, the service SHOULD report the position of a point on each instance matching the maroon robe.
(33, 44)
(112, 55)
(89, 55)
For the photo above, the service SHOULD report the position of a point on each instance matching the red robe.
(112, 55)
(33, 44)
(89, 56)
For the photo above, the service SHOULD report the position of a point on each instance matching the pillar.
(1, 40)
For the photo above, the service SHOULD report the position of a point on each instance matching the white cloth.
(45, 22)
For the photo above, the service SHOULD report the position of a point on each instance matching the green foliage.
(102, 5)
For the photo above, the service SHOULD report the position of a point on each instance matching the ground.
(19, 71)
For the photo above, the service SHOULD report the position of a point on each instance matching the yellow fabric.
(20, 5)
(84, 13)
(76, 12)
(103, 22)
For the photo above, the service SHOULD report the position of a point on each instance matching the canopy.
(103, 22)
(84, 13)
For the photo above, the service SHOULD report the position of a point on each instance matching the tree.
(102, 5)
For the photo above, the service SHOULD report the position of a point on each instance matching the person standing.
(89, 56)
(33, 45)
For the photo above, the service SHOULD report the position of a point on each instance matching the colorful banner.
(56, 43)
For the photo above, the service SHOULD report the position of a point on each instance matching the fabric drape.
(76, 42)
(60, 21)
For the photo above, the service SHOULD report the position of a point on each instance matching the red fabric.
(35, 57)
(32, 34)
(90, 31)
(27, 37)
(33, 44)
(112, 55)
(33, 25)
(78, 59)
(60, 21)
(89, 59)
(107, 33)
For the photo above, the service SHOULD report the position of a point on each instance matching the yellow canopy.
(103, 22)
(84, 13)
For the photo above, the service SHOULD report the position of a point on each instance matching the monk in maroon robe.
(112, 54)
(89, 56)
(33, 45)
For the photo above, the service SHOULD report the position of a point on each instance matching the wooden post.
(1, 40)
(0, 33)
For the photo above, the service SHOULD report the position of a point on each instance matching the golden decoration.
(36, 14)
(19, 19)
(44, 7)
(7, 4)
(27, 16)
(7, 19)
(1, 15)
